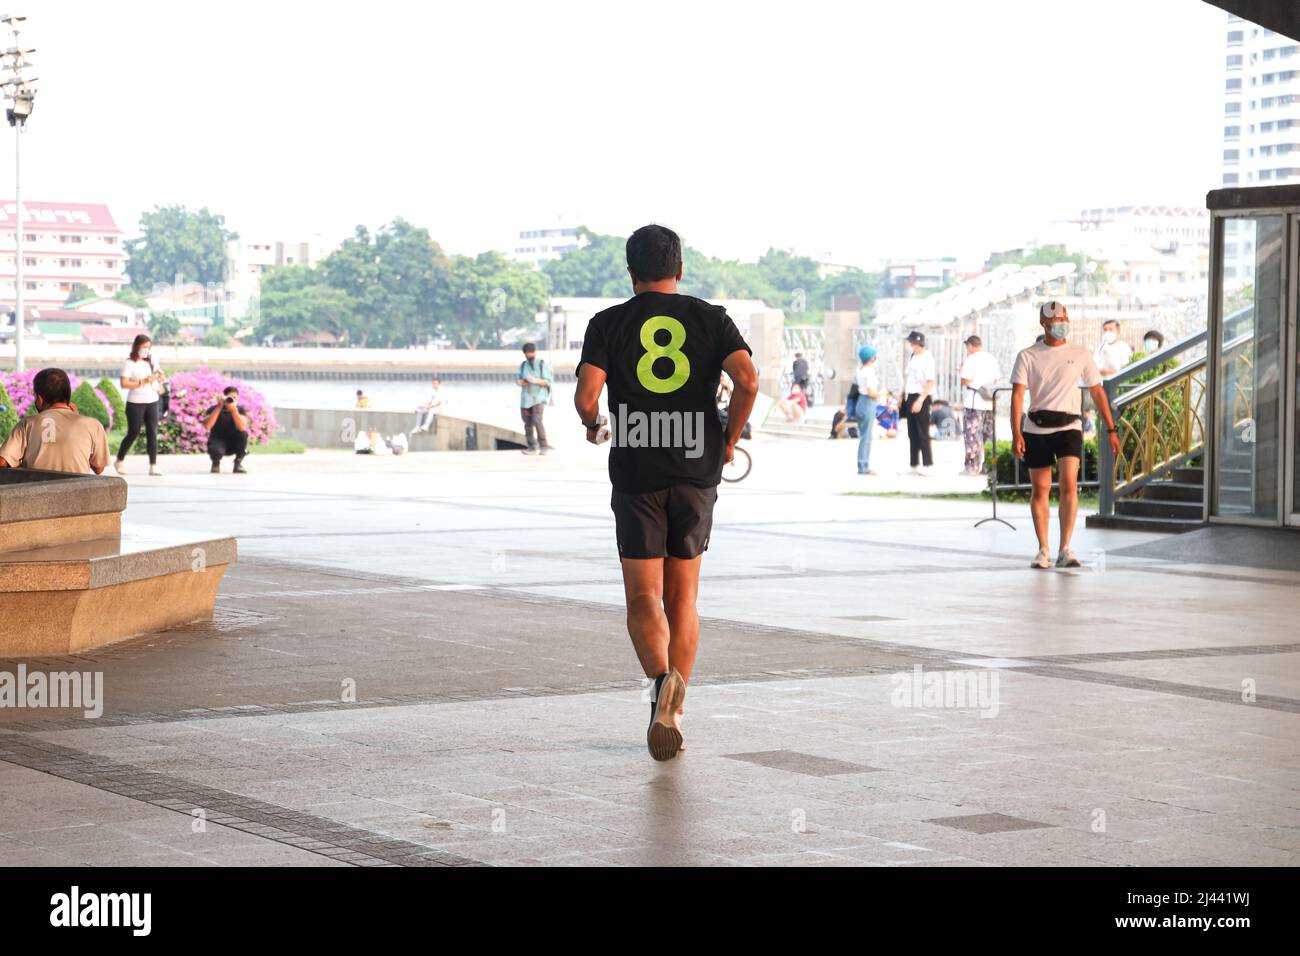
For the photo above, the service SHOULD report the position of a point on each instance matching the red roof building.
(64, 245)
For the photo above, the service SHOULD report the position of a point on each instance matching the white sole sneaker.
(664, 739)
(1042, 562)
(119, 467)
(1066, 559)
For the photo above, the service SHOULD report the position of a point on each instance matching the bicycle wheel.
(738, 467)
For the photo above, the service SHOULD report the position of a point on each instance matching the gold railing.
(1161, 423)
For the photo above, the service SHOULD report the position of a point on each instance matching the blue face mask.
(1059, 330)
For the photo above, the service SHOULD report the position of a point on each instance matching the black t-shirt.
(224, 427)
(662, 354)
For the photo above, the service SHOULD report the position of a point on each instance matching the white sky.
(865, 129)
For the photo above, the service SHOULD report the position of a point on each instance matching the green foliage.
(394, 280)
(216, 337)
(597, 269)
(164, 327)
(114, 397)
(488, 294)
(132, 297)
(88, 403)
(8, 417)
(80, 293)
(1006, 465)
(297, 300)
(174, 241)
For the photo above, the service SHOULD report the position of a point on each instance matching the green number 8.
(645, 373)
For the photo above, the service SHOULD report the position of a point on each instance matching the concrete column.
(839, 355)
(764, 337)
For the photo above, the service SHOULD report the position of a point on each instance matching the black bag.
(164, 396)
(1044, 418)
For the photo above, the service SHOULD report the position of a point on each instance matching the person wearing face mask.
(1113, 353)
(1052, 431)
(141, 378)
(1153, 342)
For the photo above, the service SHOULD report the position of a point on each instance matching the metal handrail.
(1146, 393)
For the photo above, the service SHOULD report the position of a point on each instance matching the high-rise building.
(1261, 111)
(536, 247)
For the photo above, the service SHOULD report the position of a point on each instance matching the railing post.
(1105, 458)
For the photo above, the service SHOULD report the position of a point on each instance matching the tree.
(164, 327)
(132, 297)
(1050, 256)
(488, 294)
(795, 278)
(296, 301)
(177, 242)
(393, 279)
(598, 268)
(849, 282)
(216, 337)
(80, 293)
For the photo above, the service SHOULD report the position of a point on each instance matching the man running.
(662, 355)
(1051, 370)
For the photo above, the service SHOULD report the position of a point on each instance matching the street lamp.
(22, 95)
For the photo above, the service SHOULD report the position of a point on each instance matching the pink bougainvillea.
(19, 386)
(193, 393)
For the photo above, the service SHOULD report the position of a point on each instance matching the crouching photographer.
(227, 425)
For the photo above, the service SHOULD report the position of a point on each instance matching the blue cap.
(866, 353)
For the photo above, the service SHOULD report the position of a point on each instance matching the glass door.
(1249, 371)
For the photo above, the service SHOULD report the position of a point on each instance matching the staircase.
(1168, 505)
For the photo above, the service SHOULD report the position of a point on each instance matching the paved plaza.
(423, 661)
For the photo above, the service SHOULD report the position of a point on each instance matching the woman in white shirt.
(868, 394)
(142, 379)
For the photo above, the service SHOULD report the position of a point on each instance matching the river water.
(494, 403)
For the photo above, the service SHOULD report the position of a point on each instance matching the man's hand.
(729, 454)
(1114, 443)
(916, 407)
(593, 435)
(1018, 447)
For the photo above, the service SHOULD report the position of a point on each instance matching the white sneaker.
(153, 470)
(927, 471)
(914, 471)
(1066, 559)
(119, 467)
(1042, 560)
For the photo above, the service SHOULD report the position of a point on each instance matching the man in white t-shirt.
(1113, 353)
(918, 388)
(978, 370)
(1053, 430)
(426, 415)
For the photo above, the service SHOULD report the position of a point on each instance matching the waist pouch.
(1044, 418)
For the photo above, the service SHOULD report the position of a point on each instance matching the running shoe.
(1066, 559)
(663, 738)
(1042, 560)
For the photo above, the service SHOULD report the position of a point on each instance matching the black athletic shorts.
(674, 522)
(1042, 451)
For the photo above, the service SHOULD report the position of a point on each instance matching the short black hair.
(1155, 334)
(530, 347)
(229, 389)
(52, 385)
(975, 340)
(653, 253)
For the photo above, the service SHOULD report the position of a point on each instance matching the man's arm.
(241, 423)
(213, 415)
(1017, 413)
(1098, 393)
(586, 399)
(739, 367)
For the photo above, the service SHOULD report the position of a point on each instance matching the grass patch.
(277, 446)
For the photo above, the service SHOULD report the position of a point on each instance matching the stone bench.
(72, 578)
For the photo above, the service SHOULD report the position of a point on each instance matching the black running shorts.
(674, 522)
(1042, 451)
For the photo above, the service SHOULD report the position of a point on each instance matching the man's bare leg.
(647, 625)
(681, 587)
(1040, 505)
(1068, 470)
